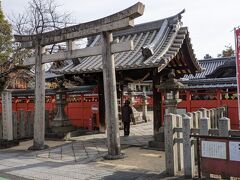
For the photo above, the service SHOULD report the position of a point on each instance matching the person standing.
(127, 113)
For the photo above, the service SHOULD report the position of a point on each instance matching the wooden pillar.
(156, 104)
(109, 78)
(101, 102)
(158, 130)
(188, 100)
(39, 111)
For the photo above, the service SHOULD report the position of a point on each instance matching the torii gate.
(105, 26)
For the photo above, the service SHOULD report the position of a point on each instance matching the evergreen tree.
(5, 38)
(228, 51)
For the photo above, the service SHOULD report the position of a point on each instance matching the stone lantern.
(61, 125)
(144, 107)
(171, 88)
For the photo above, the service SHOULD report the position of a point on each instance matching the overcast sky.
(210, 22)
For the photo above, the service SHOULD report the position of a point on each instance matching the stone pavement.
(82, 158)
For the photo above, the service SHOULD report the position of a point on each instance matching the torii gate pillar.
(39, 111)
(110, 92)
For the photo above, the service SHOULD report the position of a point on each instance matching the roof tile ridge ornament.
(170, 42)
(180, 14)
(148, 50)
(171, 22)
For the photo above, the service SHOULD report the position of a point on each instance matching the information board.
(234, 150)
(213, 149)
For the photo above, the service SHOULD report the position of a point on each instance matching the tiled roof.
(156, 44)
(209, 66)
(50, 75)
(30, 92)
(207, 79)
(211, 83)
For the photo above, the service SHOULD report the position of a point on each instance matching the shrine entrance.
(105, 27)
(146, 52)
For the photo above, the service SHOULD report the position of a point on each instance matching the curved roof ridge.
(191, 50)
(152, 25)
(217, 59)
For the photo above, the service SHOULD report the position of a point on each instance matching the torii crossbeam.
(105, 26)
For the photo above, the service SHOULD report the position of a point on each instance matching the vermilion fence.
(80, 104)
(78, 108)
(192, 101)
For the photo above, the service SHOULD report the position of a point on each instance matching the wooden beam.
(88, 51)
(118, 21)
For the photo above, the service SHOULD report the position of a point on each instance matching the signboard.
(213, 149)
(237, 43)
(94, 108)
(234, 151)
(220, 155)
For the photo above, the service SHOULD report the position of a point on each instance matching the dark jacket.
(126, 113)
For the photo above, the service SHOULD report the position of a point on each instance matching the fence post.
(179, 145)
(204, 125)
(208, 113)
(224, 126)
(170, 146)
(199, 115)
(188, 148)
(195, 120)
(32, 122)
(47, 121)
(189, 114)
(15, 125)
(22, 127)
(1, 127)
(212, 119)
(225, 111)
(204, 112)
(7, 115)
(222, 112)
(217, 116)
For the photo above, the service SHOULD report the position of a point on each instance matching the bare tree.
(40, 16)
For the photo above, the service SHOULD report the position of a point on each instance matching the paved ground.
(82, 158)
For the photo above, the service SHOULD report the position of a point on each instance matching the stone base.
(36, 147)
(158, 142)
(7, 144)
(110, 157)
(60, 132)
(61, 122)
(156, 145)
